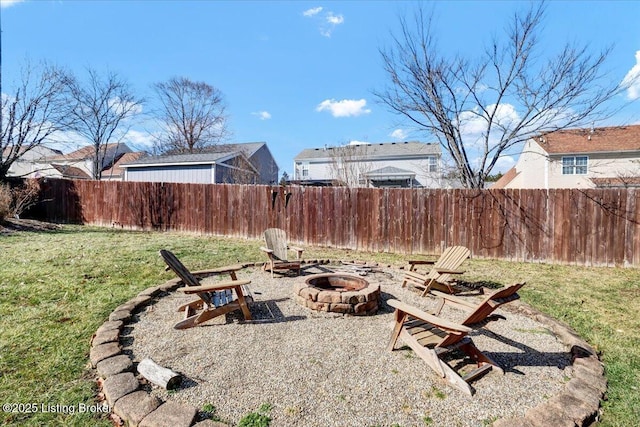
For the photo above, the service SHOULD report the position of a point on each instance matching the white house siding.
(532, 168)
(27, 165)
(600, 165)
(325, 169)
(197, 174)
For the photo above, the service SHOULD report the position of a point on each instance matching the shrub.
(25, 196)
(14, 201)
(5, 202)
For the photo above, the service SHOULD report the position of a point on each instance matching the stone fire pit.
(339, 293)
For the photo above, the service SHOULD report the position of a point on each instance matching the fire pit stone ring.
(338, 293)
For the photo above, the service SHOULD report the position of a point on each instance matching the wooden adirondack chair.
(440, 277)
(479, 314)
(277, 250)
(215, 299)
(432, 337)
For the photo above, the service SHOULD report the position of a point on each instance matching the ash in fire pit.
(337, 282)
(337, 292)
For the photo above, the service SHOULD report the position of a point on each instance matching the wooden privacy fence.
(587, 227)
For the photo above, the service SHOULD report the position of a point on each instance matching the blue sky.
(294, 74)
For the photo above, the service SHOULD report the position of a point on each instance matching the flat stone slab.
(574, 409)
(109, 325)
(151, 292)
(103, 337)
(170, 414)
(103, 351)
(133, 407)
(114, 365)
(140, 300)
(120, 315)
(119, 385)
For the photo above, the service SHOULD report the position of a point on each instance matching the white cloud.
(344, 108)
(262, 115)
(138, 140)
(312, 12)
(327, 20)
(9, 3)
(334, 19)
(632, 80)
(399, 134)
(475, 122)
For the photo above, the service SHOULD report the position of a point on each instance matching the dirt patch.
(12, 225)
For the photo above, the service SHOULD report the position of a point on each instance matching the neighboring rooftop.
(117, 169)
(71, 172)
(195, 158)
(369, 150)
(605, 139)
(88, 151)
(506, 178)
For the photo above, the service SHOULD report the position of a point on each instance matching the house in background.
(249, 163)
(116, 172)
(32, 163)
(578, 158)
(393, 164)
(80, 164)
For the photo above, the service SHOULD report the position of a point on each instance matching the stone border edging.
(577, 405)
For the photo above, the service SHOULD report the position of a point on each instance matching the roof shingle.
(606, 139)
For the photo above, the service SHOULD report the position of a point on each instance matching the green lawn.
(57, 287)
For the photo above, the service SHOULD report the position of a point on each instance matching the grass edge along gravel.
(57, 287)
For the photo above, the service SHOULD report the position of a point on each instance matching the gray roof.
(196, 158)
(409, 149)
(389, 171)
(248, 148)
(212, 154)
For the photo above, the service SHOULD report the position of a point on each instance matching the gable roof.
(401, 149)
(505, 179)
(117, 169)
(248, 148)
(212, 154)
(71, 172)
(597, 140)
(389, 171)
(87, 151)
(182, 159)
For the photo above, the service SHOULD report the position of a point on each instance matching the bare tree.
(240, 171)
(32, 115)
(103, 109)
(480, 110)
(349, 164)
(192, 115)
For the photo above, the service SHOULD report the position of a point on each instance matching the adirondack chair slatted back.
(450, 259)
(492, 302)
(276, 240)
(183, 273)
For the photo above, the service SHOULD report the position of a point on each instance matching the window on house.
(433, 164)
(575, 165)
(305, 171)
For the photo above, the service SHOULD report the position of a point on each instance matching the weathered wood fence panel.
(586, 227)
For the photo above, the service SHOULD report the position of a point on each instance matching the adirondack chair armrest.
(420, 262)
(448, 271)
(439, 322)
(230, 284)
(297, 250)
(267, 250)
(453, 300)
(217, 271)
